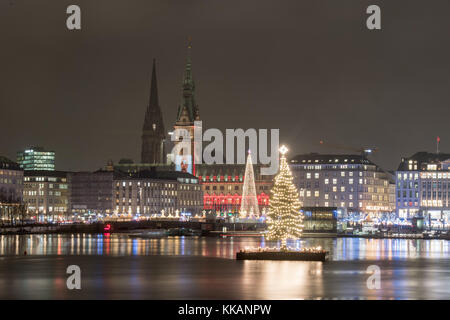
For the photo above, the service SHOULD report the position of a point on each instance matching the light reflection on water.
(121, 245)
(118, 267)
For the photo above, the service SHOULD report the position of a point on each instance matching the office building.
(351, 183)
(133, 194)
(47, 194)
(222, 186)
(92, 192)
(149, 193)
(423, 188)
(36, 158)
(11, 189)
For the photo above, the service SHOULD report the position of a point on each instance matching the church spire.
(154, 101)
(153, 114)
(153, 128)
(188, 105)
(188, 81)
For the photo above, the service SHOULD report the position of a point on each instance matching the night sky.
(310, 68)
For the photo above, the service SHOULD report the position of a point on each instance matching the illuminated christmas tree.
(249, 204)
(285, 220)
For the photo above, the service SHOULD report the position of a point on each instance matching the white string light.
(285, 219)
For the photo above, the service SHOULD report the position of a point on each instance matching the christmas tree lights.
(249, 204)
(285, 220)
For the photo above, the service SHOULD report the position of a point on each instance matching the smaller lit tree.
(285, 220)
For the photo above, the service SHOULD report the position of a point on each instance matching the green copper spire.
(188, 81)
(188, 106)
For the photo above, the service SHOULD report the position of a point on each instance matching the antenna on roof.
(438, 140)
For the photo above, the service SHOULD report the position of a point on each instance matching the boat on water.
(183, 232)
(160, 233)
(149, 234)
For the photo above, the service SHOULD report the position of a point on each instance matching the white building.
(423, 187)
(148, 193)
(351, 183)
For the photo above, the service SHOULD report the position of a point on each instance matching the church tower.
(153, 130)
(187, 113)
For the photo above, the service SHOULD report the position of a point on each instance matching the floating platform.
(282, 255)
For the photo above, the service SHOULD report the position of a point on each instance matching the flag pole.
(437, 144)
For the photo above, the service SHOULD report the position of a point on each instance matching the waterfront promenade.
(218, 227)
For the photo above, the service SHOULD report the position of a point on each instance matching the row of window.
(49, 200)
(11, 173)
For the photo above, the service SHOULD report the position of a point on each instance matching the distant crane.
(364, 151)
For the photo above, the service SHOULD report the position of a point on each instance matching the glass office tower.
(36, 158)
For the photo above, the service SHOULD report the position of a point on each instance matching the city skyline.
(88, 104)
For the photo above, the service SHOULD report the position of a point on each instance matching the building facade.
(150, 193)
(36, 158)
(153, 133)
(423, 188)
(47, 194)
(133, 194)
(319, 220)
(92, 192)
(222, 186)
(11, 189)
(351, 183)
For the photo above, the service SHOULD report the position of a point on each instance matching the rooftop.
(330, 159)
(152, 173)
(45, 173)
(6, 163)
(35, 149)
(423, 157)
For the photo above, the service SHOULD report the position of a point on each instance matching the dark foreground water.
(116, 267)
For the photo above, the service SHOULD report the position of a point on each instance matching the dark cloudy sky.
(310, 68)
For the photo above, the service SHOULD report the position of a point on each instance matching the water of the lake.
(118, 267)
